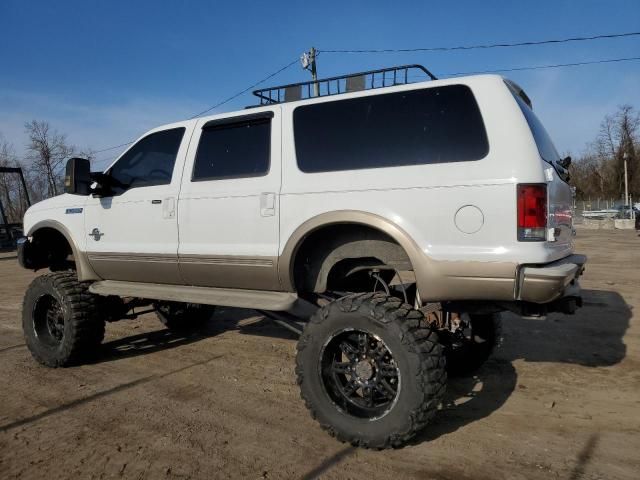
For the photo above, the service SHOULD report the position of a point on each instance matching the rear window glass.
(545, 145)
(433, 125)
(234, 151)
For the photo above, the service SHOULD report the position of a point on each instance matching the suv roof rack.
(353, 82)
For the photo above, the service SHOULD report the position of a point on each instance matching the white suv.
(410, 216)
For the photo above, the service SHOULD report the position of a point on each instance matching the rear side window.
(543, 141)
(234, 150)
(149, 162)
(433, 125)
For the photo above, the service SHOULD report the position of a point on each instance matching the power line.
(503, 70)
(245, 90)
(112, 148)
(219, 104)
(533, 67)
(487, 46)
(540, 67)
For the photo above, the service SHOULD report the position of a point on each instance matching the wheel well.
(50, 248)
(330, 258)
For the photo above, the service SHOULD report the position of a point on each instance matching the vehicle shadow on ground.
(593, 337)
(223, 320)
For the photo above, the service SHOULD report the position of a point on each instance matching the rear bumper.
(549, 282)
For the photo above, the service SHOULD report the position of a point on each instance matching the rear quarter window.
(545, 145)
(417, 127)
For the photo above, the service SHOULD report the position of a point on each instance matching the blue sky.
(103, 72)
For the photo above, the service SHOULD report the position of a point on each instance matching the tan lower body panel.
(259, 273)
(135, 267)
(259, 300)
(468, 280)
(255, 273)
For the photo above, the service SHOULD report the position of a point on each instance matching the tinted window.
(234, 150)
(433, 125)
(545, 145)
(149, 162)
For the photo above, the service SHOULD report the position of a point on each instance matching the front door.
(228, 205)
(131, 231)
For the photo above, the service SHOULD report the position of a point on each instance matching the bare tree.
(12, 195)
(618, 136)
(47, 150)
(600, 172)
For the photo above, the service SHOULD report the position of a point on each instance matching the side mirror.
(565, 162)
(77, 179)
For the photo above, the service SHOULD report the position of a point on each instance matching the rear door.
(228, 208)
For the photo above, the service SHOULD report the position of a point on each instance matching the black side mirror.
(77, 179)
(565, 162)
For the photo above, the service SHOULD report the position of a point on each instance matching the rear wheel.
(60, 321)
(469, 341)
(370, 370)
(179, 316)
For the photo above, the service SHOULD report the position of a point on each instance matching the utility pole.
(308, 61)
(626, 180)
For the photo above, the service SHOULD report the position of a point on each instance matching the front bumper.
(549, 282)
(25, 253)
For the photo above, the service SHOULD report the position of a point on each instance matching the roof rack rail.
(353, 82)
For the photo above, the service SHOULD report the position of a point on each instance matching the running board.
(227, 297)
(292, 323)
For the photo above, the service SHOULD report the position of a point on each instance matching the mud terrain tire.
(411, 347)
(60, 321)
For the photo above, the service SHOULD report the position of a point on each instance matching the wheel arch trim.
(83, 267)
(286, 261)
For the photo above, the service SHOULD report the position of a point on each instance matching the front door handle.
(169, 207)
(267, 204)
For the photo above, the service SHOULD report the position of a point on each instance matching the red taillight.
(532, 212)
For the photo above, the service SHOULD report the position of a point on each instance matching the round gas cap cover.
(469, 219)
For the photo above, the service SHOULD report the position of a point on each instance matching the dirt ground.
(559, 399)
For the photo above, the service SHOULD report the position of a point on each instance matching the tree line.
(43, 165)
(597, 173)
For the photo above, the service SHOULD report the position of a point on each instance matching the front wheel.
(60, 321)
(370, 370)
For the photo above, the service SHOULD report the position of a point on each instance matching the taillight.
(532, 212)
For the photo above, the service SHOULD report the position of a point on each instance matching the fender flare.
(286, 260)
(83, 267)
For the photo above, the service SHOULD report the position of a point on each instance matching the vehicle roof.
(465, 80)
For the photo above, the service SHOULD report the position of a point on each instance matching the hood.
(64, 200)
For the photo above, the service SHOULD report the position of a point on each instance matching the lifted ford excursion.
(406, 215)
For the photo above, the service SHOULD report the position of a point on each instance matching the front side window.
(235, 150)
(417, 127)
(149, 162)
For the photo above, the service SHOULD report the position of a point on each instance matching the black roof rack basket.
(353, 82)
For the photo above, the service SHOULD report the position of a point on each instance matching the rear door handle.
(156, 202)
(267, 204)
